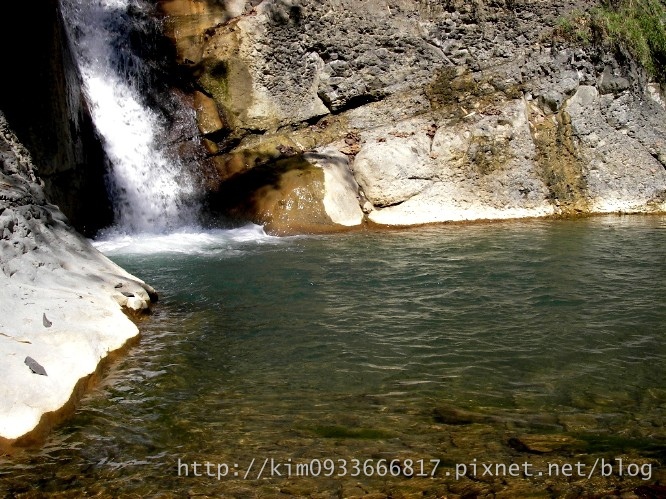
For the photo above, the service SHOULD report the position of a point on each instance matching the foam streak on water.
(190, 241)
(149, 189)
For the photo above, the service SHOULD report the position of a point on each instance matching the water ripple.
(259, 344)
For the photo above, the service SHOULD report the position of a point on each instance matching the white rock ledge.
(341, 190)
(60, 303)
(87, 325)
(79, 299)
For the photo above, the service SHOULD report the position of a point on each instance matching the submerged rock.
(459, 417)
(544, 444)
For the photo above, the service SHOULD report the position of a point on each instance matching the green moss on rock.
(639, 26)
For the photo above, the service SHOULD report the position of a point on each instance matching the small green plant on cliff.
(574, 27)
(637, 25)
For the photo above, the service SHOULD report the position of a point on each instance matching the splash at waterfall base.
(62, 304)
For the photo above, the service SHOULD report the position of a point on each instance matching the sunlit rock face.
(43, 101)
(187, 20)
(62, 303)
(444, 112)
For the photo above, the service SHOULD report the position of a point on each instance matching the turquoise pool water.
(539, 342)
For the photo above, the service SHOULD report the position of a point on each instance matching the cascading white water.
(150, 190)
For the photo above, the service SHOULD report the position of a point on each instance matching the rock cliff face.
(43, 101)
(429, 111)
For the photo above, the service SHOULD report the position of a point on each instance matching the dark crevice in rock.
(390, 205)
(353, 102)
(428, 179)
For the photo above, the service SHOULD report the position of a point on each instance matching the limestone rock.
(311, 193)
(611, 83)
(294, 205)
(655, 93)
(341, 198)
(483, 168)
(621, 146)
(188, 19)
(50, 276)
(243, 86)
(208, 116)
(393, 171)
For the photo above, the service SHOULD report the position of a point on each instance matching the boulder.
(303, 194)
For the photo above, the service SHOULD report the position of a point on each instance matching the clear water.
(455, 343)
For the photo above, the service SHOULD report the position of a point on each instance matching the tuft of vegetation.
(639, 26)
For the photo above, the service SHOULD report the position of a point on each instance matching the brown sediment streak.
(15, 339)
(561, 168)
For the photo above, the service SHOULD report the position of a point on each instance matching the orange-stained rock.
(186, 21)
(295, 205)
(208, 116)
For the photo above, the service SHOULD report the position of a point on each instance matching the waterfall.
(150, 189)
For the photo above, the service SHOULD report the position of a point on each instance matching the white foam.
(190, 241)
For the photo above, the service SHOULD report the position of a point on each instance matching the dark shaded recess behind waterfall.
(147, 58)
